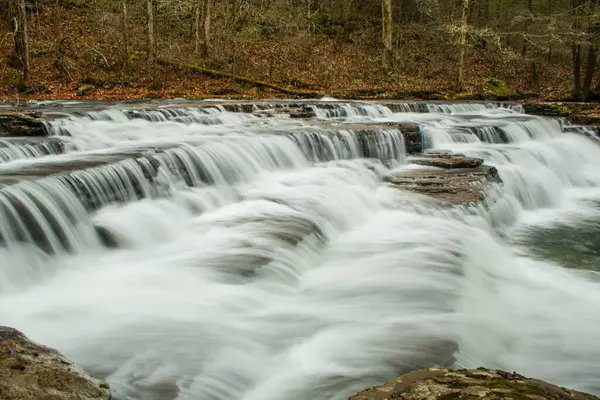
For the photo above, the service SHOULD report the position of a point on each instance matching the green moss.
(561, 109)
(464, 96)
(498, 89)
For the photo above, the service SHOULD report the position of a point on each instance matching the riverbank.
(31, 371)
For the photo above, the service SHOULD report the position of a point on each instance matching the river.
(200, 251)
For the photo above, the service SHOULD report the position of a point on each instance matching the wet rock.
(30, 371)
(304, 112)
(448, 161)
(481, 383)
(18, 123)
(455, 180)
(413, 141)
(546, 109)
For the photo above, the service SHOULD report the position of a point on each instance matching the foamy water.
(263, 258)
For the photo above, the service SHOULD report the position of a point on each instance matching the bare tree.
(463, 45)
(592, 53)
(203, 42)
(125, 33)
(386, 33)
(21, 40)
(151, 38)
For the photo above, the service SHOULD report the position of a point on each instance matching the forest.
(422, 49)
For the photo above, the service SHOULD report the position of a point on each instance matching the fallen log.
(221, 74)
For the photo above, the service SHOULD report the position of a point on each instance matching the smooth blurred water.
(264, 258)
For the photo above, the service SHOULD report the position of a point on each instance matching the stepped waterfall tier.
(300, 249)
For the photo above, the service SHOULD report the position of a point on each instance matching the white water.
(261, 258)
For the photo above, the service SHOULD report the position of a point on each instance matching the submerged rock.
(481, 383)
(303, 112)
(29, 370)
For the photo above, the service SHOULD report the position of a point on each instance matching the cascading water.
(228, 253)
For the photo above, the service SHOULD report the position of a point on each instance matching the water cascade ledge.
(259, 218)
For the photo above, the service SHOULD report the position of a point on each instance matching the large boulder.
(30, 371)
(481, 383)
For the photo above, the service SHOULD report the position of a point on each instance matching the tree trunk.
(197, 28)
(528, 22)
(463, 45)
(151, 40)
(21, 40)
(535, 80)
(576, 52)
(589, 71)
(386, 28)
(125, 35)
(203, 32)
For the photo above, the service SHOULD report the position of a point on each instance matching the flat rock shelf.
(463, 384)
(452, 179)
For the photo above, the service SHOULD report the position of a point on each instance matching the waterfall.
(228, 251)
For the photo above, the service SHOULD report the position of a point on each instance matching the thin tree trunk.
(125, 35)
(21, 40)
(549, 44)
(234, 36)
(592, 57)
(205, 43)
(197, 26)
(535, 79)
(151, 40)
(576, 52)
(57, 22)
(386, 25)
(528, 22)
(463, 45)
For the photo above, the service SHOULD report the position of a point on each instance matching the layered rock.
(16, 123)
(30, 371)
(453, 179)
(481, 383)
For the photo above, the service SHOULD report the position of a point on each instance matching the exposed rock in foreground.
(30, 371)
(456, 180)
(481, 383)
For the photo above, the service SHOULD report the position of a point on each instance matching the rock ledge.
(454, 179)
(468, 384)
(31, 371)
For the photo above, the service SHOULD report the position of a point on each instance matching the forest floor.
(83, 60)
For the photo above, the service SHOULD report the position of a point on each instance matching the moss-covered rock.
(468, 384)
(497, 89)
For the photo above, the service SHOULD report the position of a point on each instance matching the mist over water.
(211, 253)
